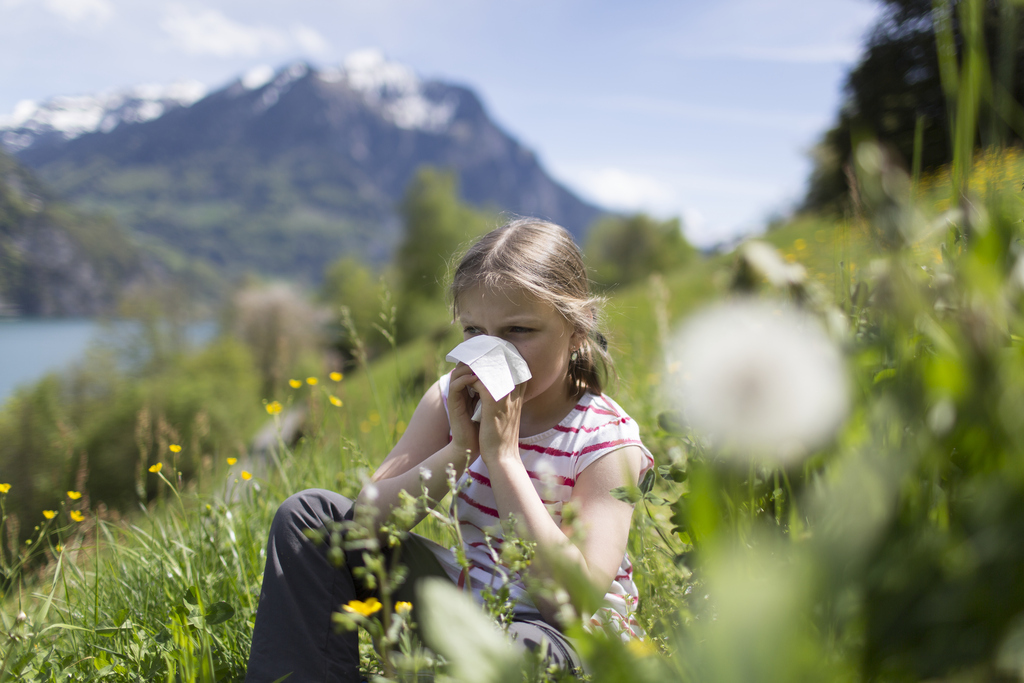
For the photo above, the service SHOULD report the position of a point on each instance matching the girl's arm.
(425, 446)
(603, 520)
(598, 542)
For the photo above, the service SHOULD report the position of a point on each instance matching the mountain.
(283, 171)
(54, 259)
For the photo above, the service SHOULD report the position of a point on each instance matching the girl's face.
(543, 337)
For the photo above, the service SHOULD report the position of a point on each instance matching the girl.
(556, 440)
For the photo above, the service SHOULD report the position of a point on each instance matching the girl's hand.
(465, 432)
(499, 424)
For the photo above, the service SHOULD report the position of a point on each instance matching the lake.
(29, 349)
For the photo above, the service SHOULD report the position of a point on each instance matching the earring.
(575, 355)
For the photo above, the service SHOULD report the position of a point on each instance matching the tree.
(898, 83)
(437, 226)
(621, 250)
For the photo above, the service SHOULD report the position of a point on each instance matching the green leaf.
(191, 595)
(672, 422)
(627, 494)
(219, 613)
(648, 482)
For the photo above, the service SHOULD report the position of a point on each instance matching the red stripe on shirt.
(482, 508)
(554, 478)
(479, 477)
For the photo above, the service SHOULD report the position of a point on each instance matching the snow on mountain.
(71, 116)
(390, 88)
(394, 90)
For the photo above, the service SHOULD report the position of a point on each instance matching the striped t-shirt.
(554, 459)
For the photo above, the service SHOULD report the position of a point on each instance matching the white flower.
(760, 379)
(425, 474)
(370, 492)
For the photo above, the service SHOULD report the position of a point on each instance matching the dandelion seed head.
(762, 380)
(370, 492)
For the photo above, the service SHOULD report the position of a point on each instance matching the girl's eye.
(519, 329)
(470, 331)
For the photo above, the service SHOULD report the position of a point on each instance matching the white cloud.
(77, 11)
(310, 40)
(210, 32)
(829, 53)
(619, 189)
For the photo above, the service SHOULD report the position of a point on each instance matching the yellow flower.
(49, 514)
(365, 427)
(157, 467)
(336, 376)
(800, 244)
(246, 475)
(4, 488)
(374, 417)
(74, 495)
(311, 381)
(59, 548)
(232, 461)
(400, 427)
(365, 608)
(274, 407)
(295, 383)
(335, 401)
(640, 648)
(77, 516)
(403, 607)
(175, 448)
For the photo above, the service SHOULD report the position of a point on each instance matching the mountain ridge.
(283, 171)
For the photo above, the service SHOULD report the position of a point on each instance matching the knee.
(310, 509)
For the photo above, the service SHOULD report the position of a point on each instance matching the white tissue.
(495, 362)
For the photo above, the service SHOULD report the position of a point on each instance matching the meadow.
(839, 489)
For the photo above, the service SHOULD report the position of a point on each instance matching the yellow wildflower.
(232, 461)
(246, 475)
(175, 448)
(157, 467)
(400, 427)
(74, 495)
(49, 514)
(365, 427)
(800, 244)
(311, 381)
(59, 548)
(4, 488)
(640, 648)
(336, 376)
(790, 258)
(335, 401)
(77, 516)
(295, 383)
(403, 607)
(365, 608)
(274, 407)
(374, 417)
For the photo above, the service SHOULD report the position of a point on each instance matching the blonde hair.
(542, 259)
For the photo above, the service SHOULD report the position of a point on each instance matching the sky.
(706, 111)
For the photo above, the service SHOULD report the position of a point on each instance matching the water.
(29, 349)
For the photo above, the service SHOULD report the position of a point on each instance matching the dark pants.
(302, 588)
